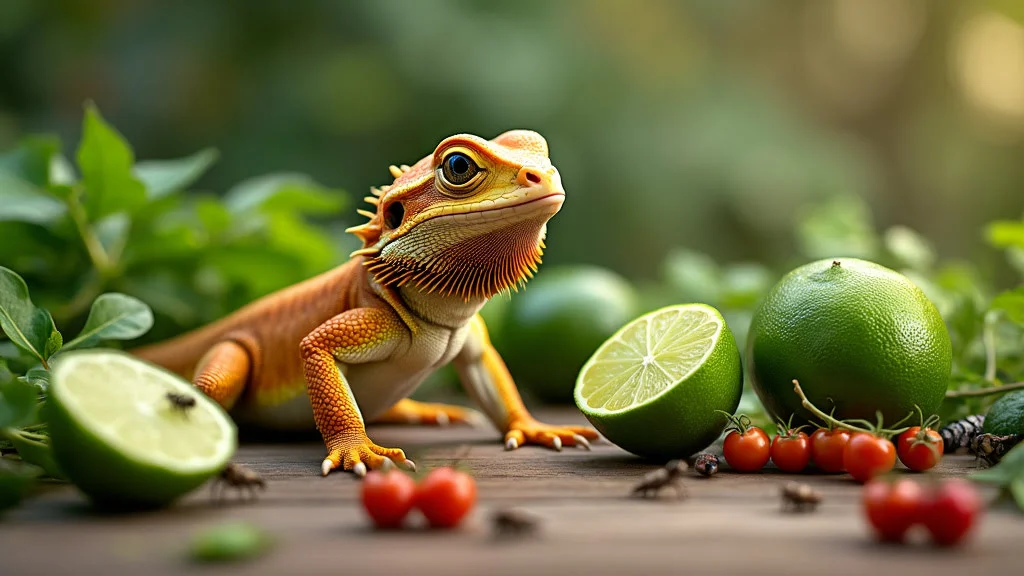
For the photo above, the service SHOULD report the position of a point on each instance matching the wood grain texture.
(729, 524)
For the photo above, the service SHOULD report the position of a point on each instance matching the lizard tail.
(179, 355)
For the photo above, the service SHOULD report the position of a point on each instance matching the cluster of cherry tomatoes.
(864, 455)
(948, 511)
(444, 496)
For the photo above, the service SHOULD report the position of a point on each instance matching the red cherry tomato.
(867, 456)
(445, 496)
(827, 448)
(791, 452)
(892, 508)
(919, 449)
(388, 497)
(748, 451)
(952, 511)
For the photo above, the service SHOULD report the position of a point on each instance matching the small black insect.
(989, 448)
(706, 464)
(670, 475)
(510, 522)
(181, 402)
(797, 497)
(240, 478)
(958, 435)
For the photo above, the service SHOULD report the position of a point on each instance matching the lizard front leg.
(488, 382)
(353, 337)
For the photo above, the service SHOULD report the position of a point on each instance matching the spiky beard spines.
(457, 277)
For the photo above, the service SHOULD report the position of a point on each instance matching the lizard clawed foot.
(363, 455)
(430, 413)
(529, 431)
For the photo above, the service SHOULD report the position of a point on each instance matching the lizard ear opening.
(394, 215)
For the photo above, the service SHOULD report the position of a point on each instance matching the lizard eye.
(458, 171)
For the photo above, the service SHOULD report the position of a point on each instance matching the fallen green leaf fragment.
(229, 542)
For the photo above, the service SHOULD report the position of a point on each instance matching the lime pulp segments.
(654, 387)
(120, 439)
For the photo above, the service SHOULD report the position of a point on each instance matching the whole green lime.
(859, 337)
(1006, 416)
(553, 326)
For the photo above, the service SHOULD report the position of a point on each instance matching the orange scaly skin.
(458, 227)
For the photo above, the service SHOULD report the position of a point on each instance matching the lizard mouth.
(524, 207)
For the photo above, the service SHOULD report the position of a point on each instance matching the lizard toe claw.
(511, 444)
(581, 442)
(529, 431)
(326, 466)
(359, 469)
(409, 465)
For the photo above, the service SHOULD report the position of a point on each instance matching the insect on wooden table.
(238, 477)
(670, 475)
(798, 497)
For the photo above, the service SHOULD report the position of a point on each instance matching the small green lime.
(556, 323)
(1006, 416)
(654, 388)
(119, 437)
(859, 337)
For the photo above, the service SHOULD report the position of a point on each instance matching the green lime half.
(120, 437)
(654, 387)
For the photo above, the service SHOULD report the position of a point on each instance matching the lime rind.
(646, 358)
(123, 402)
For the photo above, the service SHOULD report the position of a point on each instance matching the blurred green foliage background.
(709, 124)
(706, 146)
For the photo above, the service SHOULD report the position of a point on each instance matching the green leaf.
(36, 450)
(1006, 233)
(16, 478)
(1017, 492)
(5, 372)
(24, 202)
(283, 192)
(38, 377)
(162, 177)
(18, 404)
(30, 160)
(28, 327)
(1011, 302)
(114, 317)
(105, 160)
(910, 248)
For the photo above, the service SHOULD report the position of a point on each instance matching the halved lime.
(118, 434)
(654, 387)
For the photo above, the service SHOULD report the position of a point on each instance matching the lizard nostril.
(529, 176)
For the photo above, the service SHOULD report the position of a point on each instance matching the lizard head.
(468, 220)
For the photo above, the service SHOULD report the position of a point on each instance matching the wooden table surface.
(729, 524)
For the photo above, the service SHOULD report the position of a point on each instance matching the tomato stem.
(874, 430)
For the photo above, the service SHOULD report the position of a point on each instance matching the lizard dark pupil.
(460, 165)
(459, 168)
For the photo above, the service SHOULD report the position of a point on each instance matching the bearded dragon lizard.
(459, 226)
